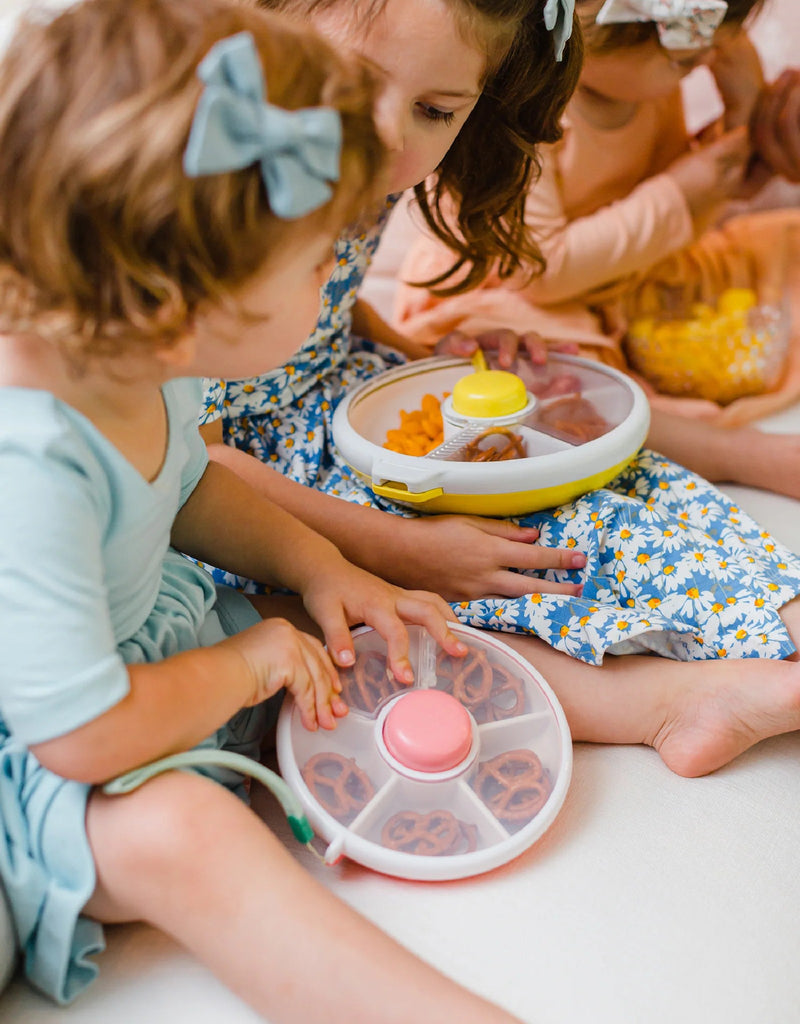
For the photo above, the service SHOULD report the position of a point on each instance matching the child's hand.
(713, 173)
(775, 126)
(278, 655)
(465, 558)
(343, 595)
(503, 344)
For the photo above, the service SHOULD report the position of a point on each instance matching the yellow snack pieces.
(720, 352)
(736, 300)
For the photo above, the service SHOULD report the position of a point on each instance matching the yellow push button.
(489, 394)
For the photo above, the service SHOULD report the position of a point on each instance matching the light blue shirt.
(85, 559)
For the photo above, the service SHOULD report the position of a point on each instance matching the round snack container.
(579, 426)
(450, 777)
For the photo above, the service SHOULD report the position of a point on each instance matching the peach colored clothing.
(608, 219)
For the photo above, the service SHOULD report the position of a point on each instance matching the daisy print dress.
(673, 566)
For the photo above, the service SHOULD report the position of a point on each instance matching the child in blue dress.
(152, 200)
(658, 563)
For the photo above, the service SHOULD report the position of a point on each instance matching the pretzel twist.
(338, 784)
(514, 448)
(507, 698)
(513, 785)
(367, 682)
(469, 679)
(436, 834)
(490, 692)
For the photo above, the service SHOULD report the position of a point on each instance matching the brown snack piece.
(574, 418)
(514, 447)
(491, 693)
(513, 785)
(338, 784)
(436, 834)
(507, 698)
(368, 682)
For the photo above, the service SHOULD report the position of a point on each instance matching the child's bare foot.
(698, 715)
(724, 710)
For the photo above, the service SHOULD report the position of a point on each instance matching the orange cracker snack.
(420, 431)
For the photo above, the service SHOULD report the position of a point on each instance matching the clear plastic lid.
(577, 402)
(446, 778)
(574, 402)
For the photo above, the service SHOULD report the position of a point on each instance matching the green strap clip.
(298, 822)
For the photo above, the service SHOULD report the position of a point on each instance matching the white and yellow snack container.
(576, 423)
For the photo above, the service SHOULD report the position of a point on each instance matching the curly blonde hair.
(104, 240)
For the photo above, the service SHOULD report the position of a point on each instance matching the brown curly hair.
(619, 36)
(104, 240)
(475, 200)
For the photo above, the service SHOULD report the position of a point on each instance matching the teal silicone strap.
(298, 822)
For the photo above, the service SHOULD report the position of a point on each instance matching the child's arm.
(589, 252)
(65, 689)
(739, 76)
(459, 557)
(775, 126)
(227, 522)
(625, 237)
(368, 323)
(174, 704)
(146, 711)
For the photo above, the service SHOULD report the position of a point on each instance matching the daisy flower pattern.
(673, 567)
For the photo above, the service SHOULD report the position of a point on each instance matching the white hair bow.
(682, 24)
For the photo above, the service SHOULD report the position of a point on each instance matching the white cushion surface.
(651, 899)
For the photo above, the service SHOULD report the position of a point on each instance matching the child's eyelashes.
(435, 114)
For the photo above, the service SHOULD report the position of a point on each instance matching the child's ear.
(179, 354)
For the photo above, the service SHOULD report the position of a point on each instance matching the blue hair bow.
(558, 15)
(234, 127)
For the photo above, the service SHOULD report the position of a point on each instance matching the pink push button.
(428, 731)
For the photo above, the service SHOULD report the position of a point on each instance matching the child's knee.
(164, 824)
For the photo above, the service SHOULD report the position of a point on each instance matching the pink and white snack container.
(450, 777)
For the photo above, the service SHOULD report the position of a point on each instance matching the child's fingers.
(338, 639)
(301, 687)
(507, 348)
(503, 342)
(538, 556)
(388, 624)
(312, 686)
(535, 346)
(567, 348)
(505, 529)
(325, 684)
(455, 343)
(433, 613)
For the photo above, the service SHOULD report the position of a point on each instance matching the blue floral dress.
(673, 567)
